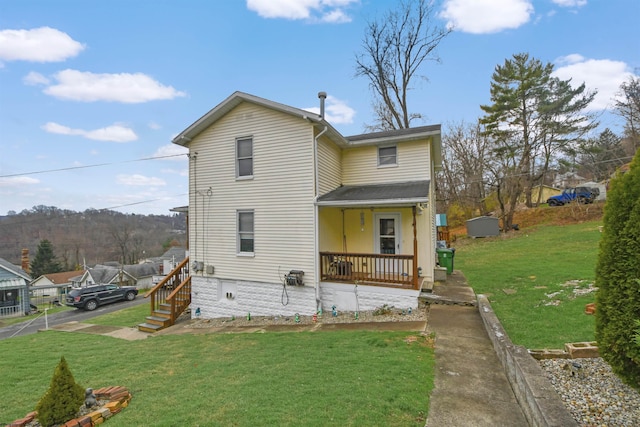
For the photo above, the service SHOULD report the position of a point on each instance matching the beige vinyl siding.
(329, 166)
(360, 164)
(280, 194)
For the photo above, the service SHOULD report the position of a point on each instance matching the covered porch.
(375, 235)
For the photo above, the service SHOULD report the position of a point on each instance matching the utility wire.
(90, 166)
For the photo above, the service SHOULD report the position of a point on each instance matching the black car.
(91, 297)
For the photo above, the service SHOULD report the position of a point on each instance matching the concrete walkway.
(471, 388)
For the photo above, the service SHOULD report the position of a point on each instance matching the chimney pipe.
(322, 96)
(24, 262)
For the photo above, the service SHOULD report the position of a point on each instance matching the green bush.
(617, 273)
(63, 399)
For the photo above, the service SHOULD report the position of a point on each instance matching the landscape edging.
(540, 403)
(118, 398)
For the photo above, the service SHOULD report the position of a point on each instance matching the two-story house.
(288, 216)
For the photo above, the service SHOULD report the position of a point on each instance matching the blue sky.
(110, 83)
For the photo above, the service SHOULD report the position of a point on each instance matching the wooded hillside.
(91, 237)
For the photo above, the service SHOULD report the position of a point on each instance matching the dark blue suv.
(91, 297)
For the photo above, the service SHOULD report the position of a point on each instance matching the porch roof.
(402, 193)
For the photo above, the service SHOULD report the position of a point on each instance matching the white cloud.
(153, 125)
(18, 181)
(336, 16)
(42, 44)
(603, 75)
(570, 3)
(34, 79)
(331, 11)
(140, 180)
(124, 87)
(335, 111)
(172, 150)
(486, 16)
(113, 133)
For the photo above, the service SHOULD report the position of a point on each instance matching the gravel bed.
(593, 394)
(388, 314)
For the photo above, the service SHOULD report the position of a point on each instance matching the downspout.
(316, 245)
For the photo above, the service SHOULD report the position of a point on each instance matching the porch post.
(415, 250)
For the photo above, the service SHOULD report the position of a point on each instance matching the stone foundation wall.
(225, 298)
(348, 297)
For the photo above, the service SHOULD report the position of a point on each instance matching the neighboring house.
(288, 216)
(104, 274)
(14, 290)
(568, 180)
(542, 193)
(167, 262)
(138, 275)
(53, 285)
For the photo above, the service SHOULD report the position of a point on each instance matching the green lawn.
(128, 317)
(280, 379)
(527, 277)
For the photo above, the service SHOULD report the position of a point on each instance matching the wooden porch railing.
(370, 269)
(171, 296)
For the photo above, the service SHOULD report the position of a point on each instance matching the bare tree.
(627, 106)
(462, 180)
(122, 234)
(394, 49)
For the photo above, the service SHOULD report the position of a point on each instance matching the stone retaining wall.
(117, 396)
(539, 401)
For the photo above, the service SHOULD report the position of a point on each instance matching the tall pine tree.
(45, 260)
(533, 116)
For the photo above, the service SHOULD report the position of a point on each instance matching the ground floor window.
(245, 232)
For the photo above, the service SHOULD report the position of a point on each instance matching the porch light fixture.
(361, 221)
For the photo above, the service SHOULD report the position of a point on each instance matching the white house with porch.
(288, 216)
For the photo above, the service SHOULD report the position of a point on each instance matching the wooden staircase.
(169, 299)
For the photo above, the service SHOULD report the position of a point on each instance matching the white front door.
(387, 240)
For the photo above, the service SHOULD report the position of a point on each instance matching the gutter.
(316, 260)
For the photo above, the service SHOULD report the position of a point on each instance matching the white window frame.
(240, 233)
(238, 158)
(395, 156)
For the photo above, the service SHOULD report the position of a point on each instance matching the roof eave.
(235, 99)
(374, 202)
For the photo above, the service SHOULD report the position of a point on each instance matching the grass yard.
(538, 281)
(127, 318)
(281, 379)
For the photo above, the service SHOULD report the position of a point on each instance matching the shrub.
(63, 399)
(617, 273)
(382, 310)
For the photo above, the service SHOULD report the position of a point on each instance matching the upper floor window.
(387, 156)
(244, 157)
(245, 232)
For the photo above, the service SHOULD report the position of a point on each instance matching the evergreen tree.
(618, 277)
(62, 401)
(533, 116)
(45, 260)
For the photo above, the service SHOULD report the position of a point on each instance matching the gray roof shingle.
(404, 192)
